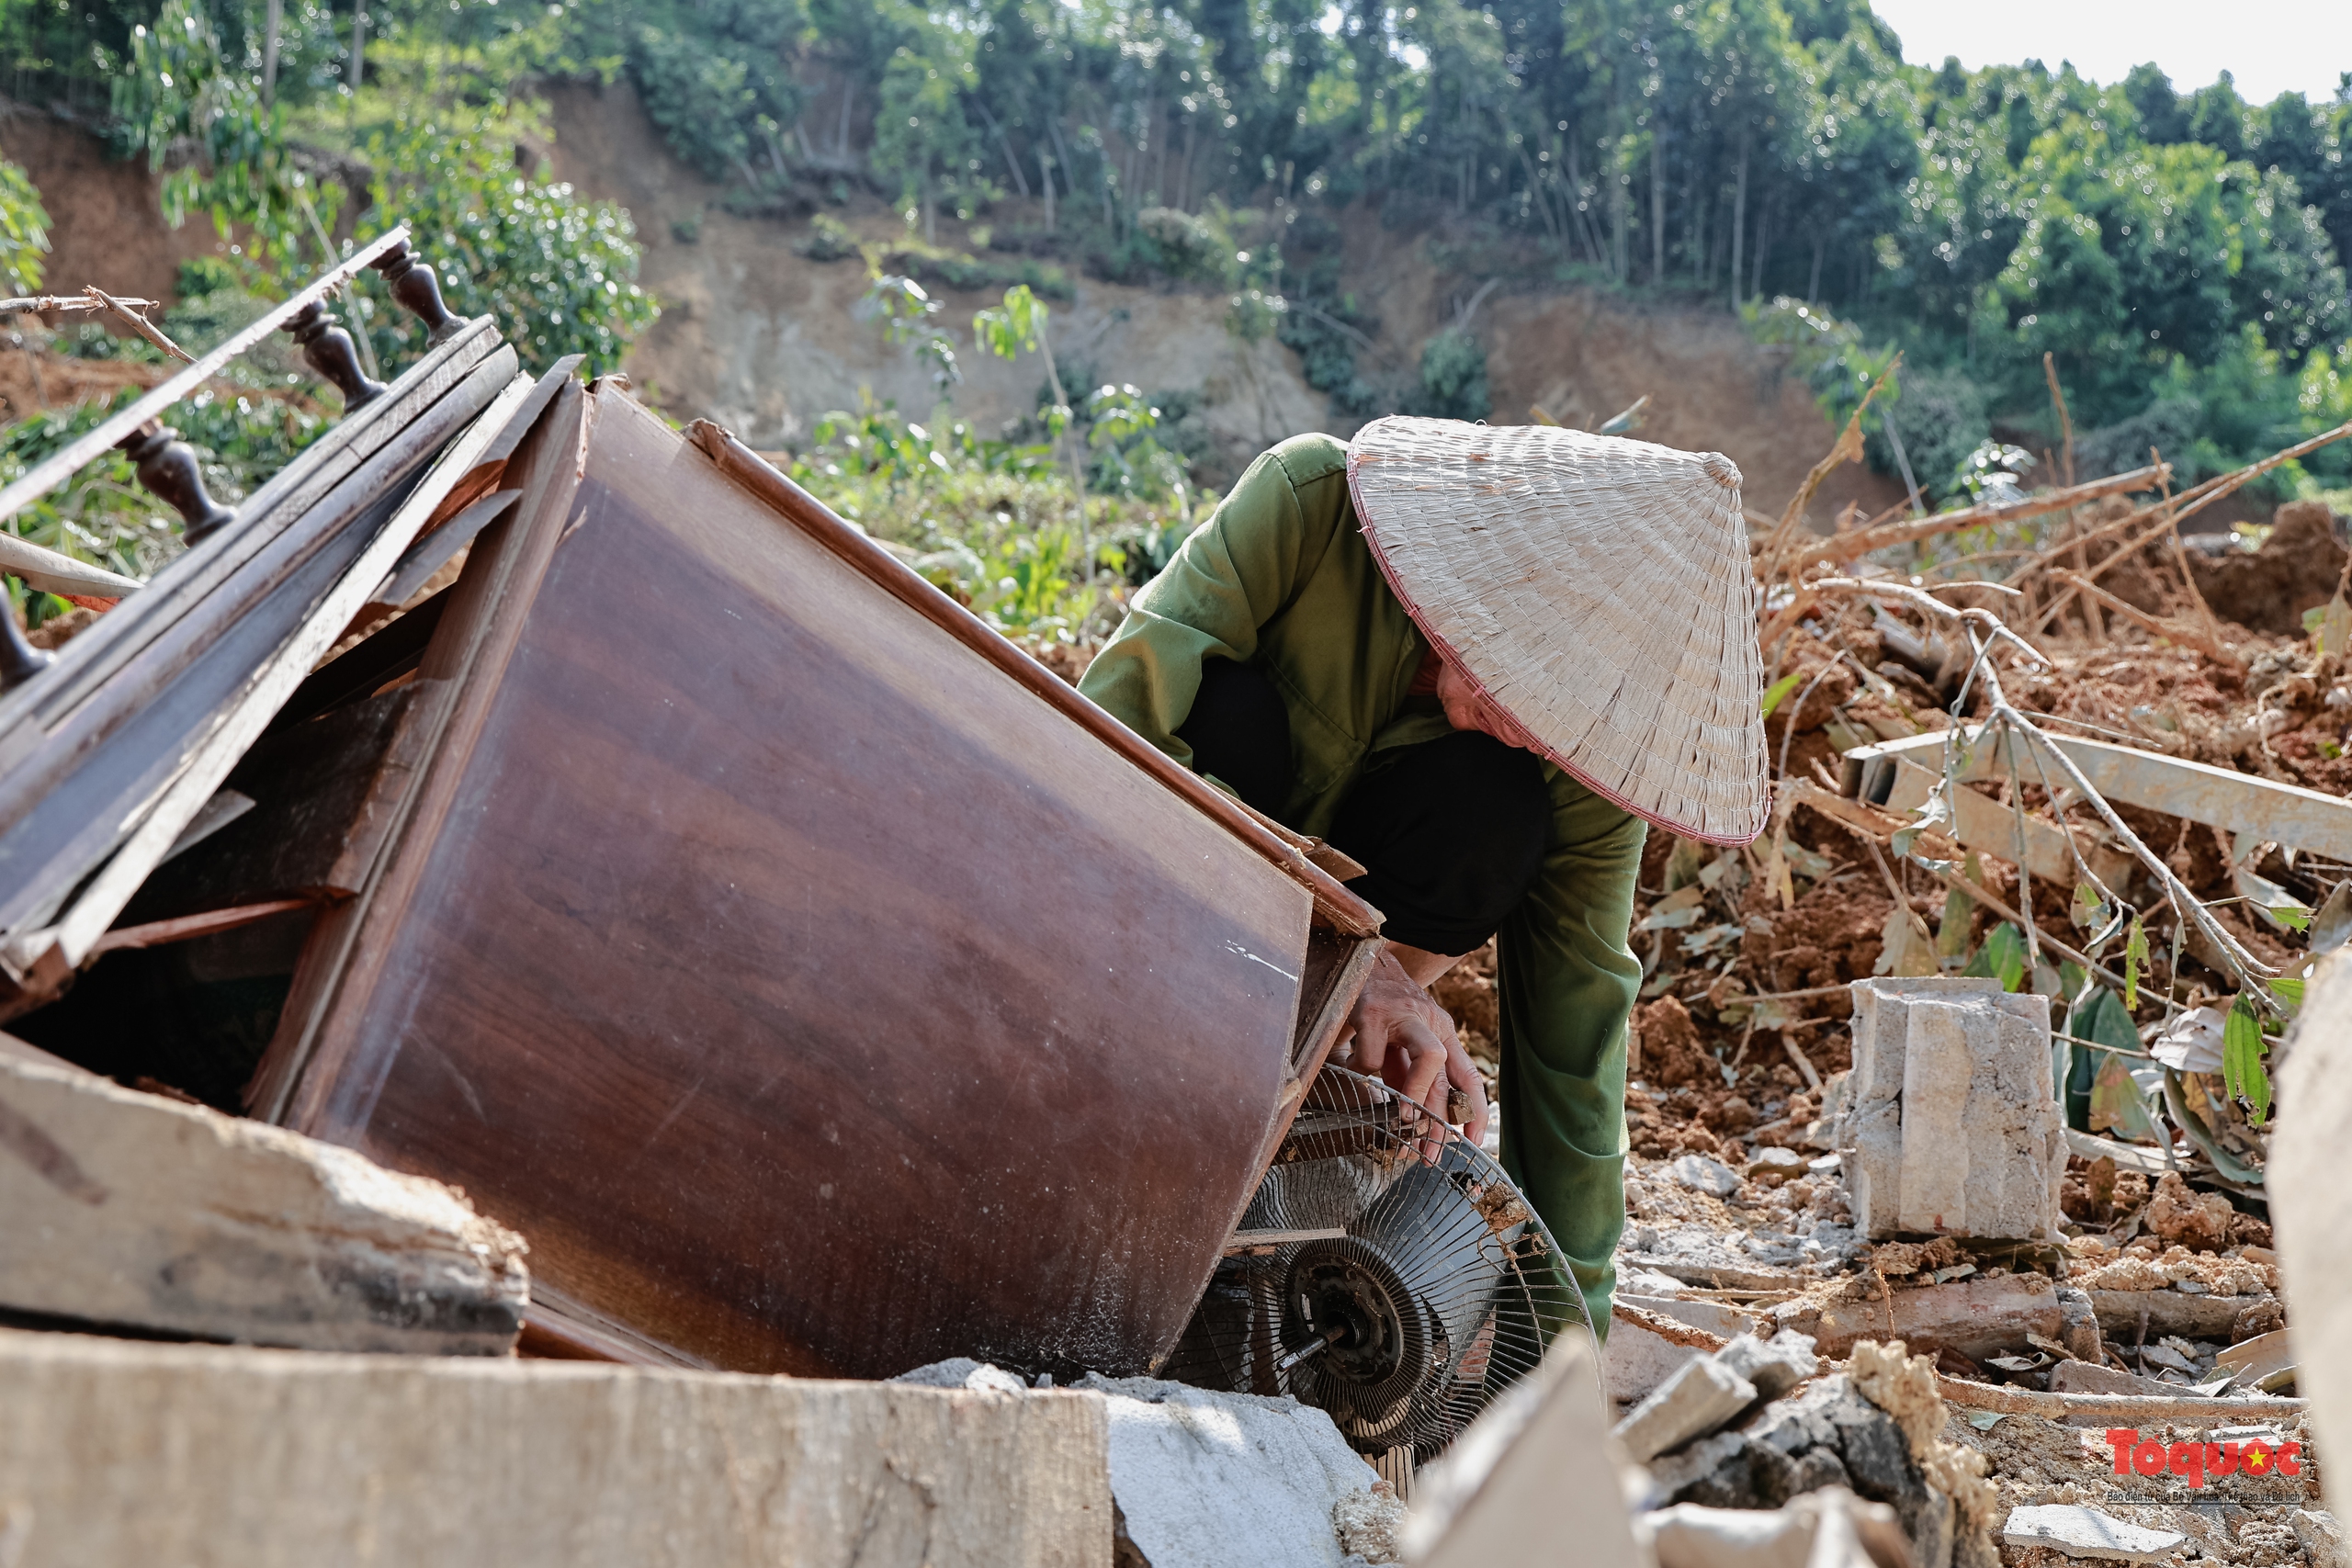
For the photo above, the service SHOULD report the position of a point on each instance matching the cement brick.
(1696, 1400)
(215, 1457)
(129, 1209)
(1774, 1365)
(1952, 1126)
(1942, 1047)
(1979, 1317)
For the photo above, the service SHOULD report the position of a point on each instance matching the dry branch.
(1854, 546)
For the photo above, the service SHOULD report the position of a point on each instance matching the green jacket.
(1280, 577)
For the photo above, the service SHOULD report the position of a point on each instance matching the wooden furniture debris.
(821, 985)
(1900, 773)
(128, 1210)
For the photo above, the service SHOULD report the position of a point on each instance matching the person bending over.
(1475, 661)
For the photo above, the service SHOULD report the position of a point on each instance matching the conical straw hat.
(1597, 590)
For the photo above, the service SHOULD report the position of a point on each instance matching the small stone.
(2321, 1539)
(1700, 1174)
(2080, 1530)
(1692, 1402)
(1777, 1162)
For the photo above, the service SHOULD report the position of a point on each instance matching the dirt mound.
(105, 224)
(2268, 590)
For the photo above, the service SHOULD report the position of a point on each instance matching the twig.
(1672, 1330)
(1803, 1063)
(140, 323)
(2065, 424)
(43, 304)
(1963, 885)
(1854, 546)
(1910, 596)
(1848, 448)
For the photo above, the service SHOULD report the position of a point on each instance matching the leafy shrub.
(24, 232)
(1454, 378)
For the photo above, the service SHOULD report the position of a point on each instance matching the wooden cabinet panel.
(814, 995)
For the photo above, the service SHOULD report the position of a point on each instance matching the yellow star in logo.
(2258, 1461)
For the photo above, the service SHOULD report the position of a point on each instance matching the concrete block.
(1635, 1362)
(2311, 1203)
(1696, 1400)
(2080, 1530)
(1951, 1124)
(1979, 1316)
(1536, 1460)
(210, 1456)
(129, 1209)
(1941, 1050)
(1204, 1480)
(1774, 1366)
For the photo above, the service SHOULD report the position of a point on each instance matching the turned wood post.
(418, 290)
(168, 468)
(19, 660)
(328, 349)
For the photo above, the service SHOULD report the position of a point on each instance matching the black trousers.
(1451, 832)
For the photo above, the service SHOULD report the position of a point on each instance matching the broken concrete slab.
(1827, 1528)
(2319, 1536)
(2121, 1313)
(2079, 1530)
(2086, 1377)
(2266, 1361)
(132, 1210)
(1204, 1479)
(1637, 1360)
(1701, 1173)
(1985, 1315)
(1697, 1399)
(113, 1451)
(1774, 1366)
(1537, 1456)
(1953, 1122)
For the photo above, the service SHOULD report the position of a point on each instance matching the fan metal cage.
(1387, 1272)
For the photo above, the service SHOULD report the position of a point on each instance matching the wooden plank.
(2238, 803)
(96, 907)
(484, 617)
(1983, 824)
(187, 928)
(313, 784)
(815, 995)
(66, 803)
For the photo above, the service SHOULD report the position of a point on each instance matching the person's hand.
(1400, 1033)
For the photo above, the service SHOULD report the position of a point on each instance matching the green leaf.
(2001, 958)
(2135, 961)
(2088, 909)
(1781, 688)
(2287, 989)
(2243, 1048)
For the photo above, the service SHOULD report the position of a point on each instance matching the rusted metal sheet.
(816, 991)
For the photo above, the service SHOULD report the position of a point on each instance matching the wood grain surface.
(815, 995)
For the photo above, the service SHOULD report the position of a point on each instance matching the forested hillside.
(2179, 257)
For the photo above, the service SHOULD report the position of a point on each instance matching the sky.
(2270, 46)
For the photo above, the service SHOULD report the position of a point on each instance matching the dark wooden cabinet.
(815, 989)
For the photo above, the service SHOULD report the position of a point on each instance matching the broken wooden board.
(809, 975)
(2237, 803)
(1983, 1316)
(128, 1453)
(128, 1210)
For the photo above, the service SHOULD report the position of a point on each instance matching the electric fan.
(1387, 1272)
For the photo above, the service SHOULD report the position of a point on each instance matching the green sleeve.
(1234, 574)
(1567, 980)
